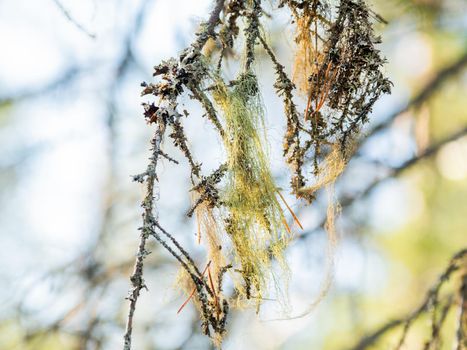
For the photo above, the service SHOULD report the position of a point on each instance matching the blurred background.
(72, 133)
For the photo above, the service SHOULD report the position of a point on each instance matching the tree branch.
(427, 92)
(431, 300)
(69, 75)
(210, 25)
(462, 327)
(72, 20)
(136, 278)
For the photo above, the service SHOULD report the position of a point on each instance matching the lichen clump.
(337, 55)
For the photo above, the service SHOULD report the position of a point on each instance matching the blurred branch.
(68, 76)
(431, 301)
(462, 327)
(435, 336)
(393, 172)
(123, 65)
(88, 267)
(68, 16)
(427, 92)
(429, 151)
(372, 338)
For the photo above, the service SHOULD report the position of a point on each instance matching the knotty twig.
(136, 278)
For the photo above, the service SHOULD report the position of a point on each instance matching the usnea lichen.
(255, 223)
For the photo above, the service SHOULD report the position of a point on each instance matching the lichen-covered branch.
(240, 199)
(137, 279)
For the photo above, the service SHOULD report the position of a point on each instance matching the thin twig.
(67, 77)
(435, 337)
(137, 277)
(67, 14)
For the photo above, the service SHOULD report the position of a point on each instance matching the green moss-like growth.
(256, 224)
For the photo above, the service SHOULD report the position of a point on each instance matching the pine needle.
(290, 210)
(193, 291)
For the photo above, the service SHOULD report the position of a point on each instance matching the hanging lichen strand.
(255, 223)
(337, 70)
